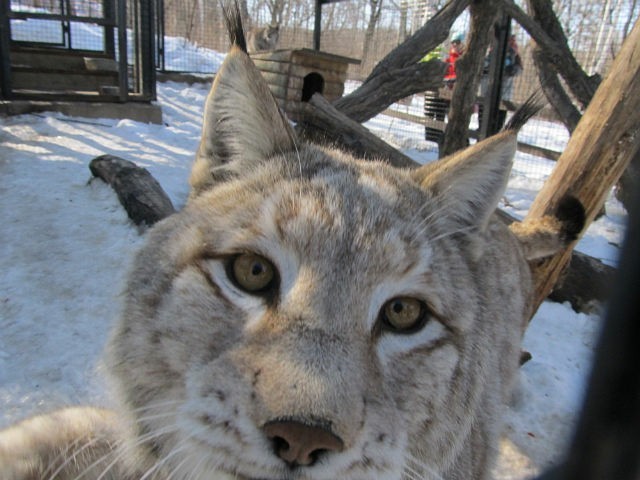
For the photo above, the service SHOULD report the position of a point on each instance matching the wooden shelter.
(295, 75)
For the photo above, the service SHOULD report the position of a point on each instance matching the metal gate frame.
(136, 82)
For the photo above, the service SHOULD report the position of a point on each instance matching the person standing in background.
(455, 51)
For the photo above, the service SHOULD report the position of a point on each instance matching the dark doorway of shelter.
(312, 83)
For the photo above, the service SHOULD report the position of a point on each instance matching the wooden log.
(598, 152)
(275, 78)
(139, 193)
(585, 284)
(399, 74)
(323, 123)
(271, 67)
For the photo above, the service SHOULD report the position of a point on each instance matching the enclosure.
(87, 236)
(77, 50)
(110, 48)
(369, 29)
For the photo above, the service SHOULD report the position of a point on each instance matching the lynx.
(308, 315)
(262, 39)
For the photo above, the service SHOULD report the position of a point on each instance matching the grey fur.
(263, 39)
(201, 365)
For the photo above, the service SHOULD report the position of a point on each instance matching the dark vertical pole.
(5, 50)
(65, 7)
(606, 444)
(607, 440)
(146, 50)
(123, 73)
(160, 62)
(317, 26)
(492, 96)
(108, 12)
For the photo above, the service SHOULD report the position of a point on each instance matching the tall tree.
(375, 9)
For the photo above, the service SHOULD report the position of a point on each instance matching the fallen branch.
(139, 193)
(323, 123)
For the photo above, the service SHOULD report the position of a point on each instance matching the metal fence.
(194, 37)
(77, 50)
(190, 37)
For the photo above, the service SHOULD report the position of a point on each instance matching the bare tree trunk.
(401, 66)
(380, 91)
(555, 93)
(545, 29)
(605, 33)
(402, 31)
(598, 152)
(468, 72)
(374, 16)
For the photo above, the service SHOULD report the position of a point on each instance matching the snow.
(66, 244)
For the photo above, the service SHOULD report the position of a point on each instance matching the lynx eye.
(252, 272)
(404, 315)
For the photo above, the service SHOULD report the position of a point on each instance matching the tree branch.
(555, 93)
(602, 145)
(378, 92)
(361, 105)
(323, 123)
(545, 29)
(468, 72)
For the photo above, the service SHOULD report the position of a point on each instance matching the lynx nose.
(300, 444)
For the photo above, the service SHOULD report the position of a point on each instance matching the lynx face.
(262, 39)
(313, 316)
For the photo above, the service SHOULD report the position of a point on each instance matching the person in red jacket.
(455, 51)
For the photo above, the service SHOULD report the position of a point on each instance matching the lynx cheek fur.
(308, 316)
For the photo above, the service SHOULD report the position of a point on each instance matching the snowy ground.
(65, 244)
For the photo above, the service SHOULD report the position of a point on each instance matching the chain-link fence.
(77, 50)
(191, 37)
(369, 29)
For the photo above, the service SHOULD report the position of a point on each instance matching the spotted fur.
(203, 367)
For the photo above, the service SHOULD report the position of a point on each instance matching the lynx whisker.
(72, 456)
(469, 228)
(291, 356)
(421, 469)
(151, 406)
(163, 461)
(197, 470)
(121, 451)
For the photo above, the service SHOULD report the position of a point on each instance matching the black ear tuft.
(233, 21)
(529, 108)
(572, 215)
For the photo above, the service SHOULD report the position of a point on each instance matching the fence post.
(5, 50)
(492, 94)
(123, 74)
(317, 25)
(145, 47)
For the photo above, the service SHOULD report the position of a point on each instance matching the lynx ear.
(242, 123)
(469, 184)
